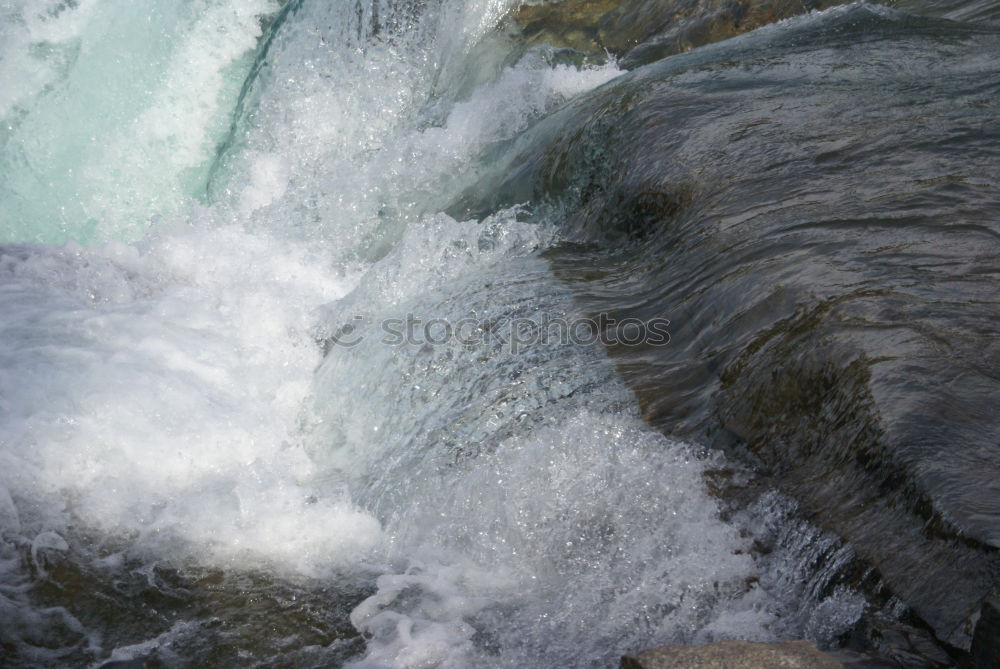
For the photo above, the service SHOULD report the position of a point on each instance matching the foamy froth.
(177, 398)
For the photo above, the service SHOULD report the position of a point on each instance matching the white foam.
(570, 546)
(24, 23)
(153, 389)
(156, 389)
(356, 145)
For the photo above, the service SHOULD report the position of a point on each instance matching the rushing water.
(213, 452)
(814, 206)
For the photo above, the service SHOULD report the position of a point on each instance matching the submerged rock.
(733, 655)
(662, 27)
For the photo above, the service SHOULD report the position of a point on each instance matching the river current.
(302, 358)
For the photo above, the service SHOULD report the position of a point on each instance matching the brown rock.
(733, 655)
(618, 26)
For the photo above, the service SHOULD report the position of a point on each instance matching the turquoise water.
(113, 112)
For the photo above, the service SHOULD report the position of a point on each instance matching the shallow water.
(215, 215)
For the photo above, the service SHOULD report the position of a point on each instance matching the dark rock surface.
(733, 655)
(986, 641)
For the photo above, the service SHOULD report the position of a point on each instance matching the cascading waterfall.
(211, 211)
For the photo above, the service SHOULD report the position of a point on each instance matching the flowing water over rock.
(819, 225)
(291, 362)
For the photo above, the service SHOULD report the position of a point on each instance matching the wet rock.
(955, 10)
(986, 641)
(828, 268)
(854, 660)
(910, 647)
(225, 613)
(733, 655)
(662, 27)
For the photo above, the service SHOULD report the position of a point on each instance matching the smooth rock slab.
(733, 655)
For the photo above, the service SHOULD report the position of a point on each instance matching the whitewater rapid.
(197, 197)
